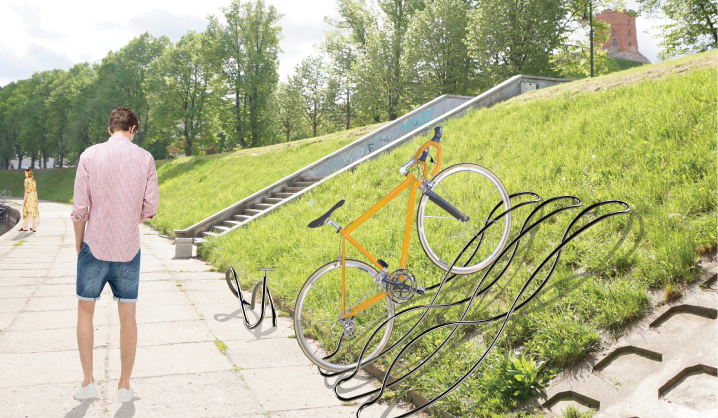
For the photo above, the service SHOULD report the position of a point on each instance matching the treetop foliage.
(220, 89)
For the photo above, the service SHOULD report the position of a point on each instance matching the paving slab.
(263, 353)
(625, 378)
(173, 359)
(6, 319)
(11, 305)
(56, 400)
(57, 290)
(18, 291)
(210, 394)
(179, 370)
(46, 367)
(44, 340)
(164, 333)
(148, 312)
(19, 281)
(50, 319)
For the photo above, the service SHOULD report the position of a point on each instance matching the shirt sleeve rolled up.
(152, 195)
(81, 198)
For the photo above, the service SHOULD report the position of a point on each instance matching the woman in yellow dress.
(29, 207)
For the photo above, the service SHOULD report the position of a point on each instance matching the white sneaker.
(88, 392)
(125, 395)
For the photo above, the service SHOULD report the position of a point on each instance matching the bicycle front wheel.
(318, 324)
(475, 191)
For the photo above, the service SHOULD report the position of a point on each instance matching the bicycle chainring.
(400, 286)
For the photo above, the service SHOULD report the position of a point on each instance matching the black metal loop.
(527, 228)
(266, 294)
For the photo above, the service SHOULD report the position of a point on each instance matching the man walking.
(115, 191)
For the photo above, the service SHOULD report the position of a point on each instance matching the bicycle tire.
(303, 313)
(487, 182)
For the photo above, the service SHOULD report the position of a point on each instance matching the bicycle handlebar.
(423, 153)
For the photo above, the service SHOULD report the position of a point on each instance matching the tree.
(181, 95)
(572, 57)
(693, 27)
(437, 58)
(245, 52)
(510, 37)
(310, 82)
(60, 104)
(288, 111)
(120, 83)
(378, 33)
(342, 86)
(10, 97)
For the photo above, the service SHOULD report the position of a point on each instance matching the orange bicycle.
(343, 301)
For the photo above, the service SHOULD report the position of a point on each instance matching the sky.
(39, 35)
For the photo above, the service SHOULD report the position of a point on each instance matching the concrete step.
(272, 200)
(207, 233)
(293, 189)
(221, 228)
(283, 195)
(304, 184)
(199, 241)
(252, 212)
(232, 223)
(241, 218)
(312, 179)
(262, 206)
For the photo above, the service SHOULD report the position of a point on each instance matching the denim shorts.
(92, 274)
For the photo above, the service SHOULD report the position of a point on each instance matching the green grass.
(612, 65)
(192, 188)
(52, 184)
(646, 136)
(221, 346)
(615, 64)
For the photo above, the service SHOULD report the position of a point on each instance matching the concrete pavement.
(183, 310)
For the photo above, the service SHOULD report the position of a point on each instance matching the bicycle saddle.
(320, 220)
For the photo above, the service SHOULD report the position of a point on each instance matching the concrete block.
(183, 247)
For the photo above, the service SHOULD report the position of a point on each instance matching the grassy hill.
(646, 135)
(52, 184)
(192, 188)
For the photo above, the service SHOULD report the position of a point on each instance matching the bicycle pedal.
(420, 290)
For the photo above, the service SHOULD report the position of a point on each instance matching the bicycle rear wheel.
(317, 320)
(475, 191)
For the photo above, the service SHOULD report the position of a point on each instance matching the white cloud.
(73, 31)
(43, 34)
(36, 58)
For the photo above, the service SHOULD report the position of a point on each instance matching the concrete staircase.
(416, 123)
(253, 210)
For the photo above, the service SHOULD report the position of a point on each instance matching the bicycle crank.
(401, 286)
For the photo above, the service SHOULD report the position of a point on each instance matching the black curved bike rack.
(479, 289)
(231, 276)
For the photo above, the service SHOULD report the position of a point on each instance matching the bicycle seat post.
(334, 224)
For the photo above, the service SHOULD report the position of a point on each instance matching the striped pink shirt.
(115, 186)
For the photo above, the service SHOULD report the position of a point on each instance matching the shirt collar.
(119, 138)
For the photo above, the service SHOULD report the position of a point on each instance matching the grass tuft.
(221, 346)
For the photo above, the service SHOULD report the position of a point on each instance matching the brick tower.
(623, 43)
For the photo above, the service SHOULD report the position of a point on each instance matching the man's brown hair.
(122, 118)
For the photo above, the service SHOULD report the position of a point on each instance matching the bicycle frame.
(412, 183)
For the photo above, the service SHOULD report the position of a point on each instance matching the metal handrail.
(3, 204)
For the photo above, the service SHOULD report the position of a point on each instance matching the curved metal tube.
(479, 289)
(266, 294)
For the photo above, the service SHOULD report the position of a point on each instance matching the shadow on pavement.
(263, 330)
(127, 409)
(80, 410)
